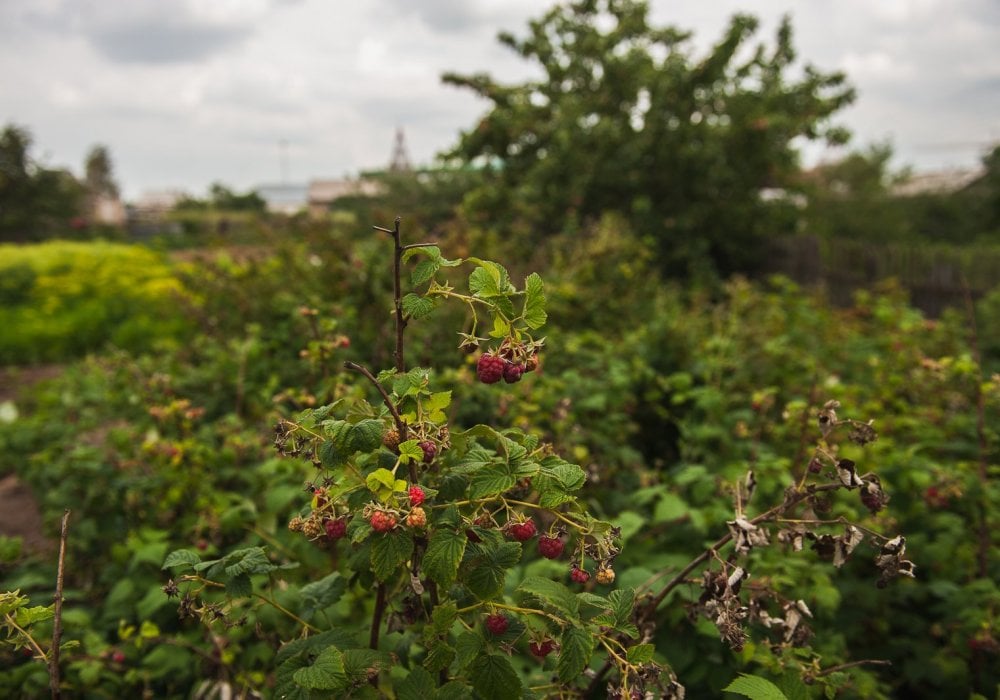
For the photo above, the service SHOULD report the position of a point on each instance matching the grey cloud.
(164, 42)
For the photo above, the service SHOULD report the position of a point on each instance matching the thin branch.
(377, 617)
(790, 501)
(852, 664)
(57, 616)
(386, 399)
(397, 292)
(410, 246)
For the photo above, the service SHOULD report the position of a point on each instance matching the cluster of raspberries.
(491, 368)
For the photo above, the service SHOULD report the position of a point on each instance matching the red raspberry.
(522, 532)
(497, 624)
(550, 547)
(382, 521)
(512, 372)
(430, 450)
(579, 575)
(416, 518)
(417, 496)
(490, 368)
(541, 649)
(335, 529)
(118, 656)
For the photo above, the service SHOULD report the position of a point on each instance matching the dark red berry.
(430, 450)
(473, 537)
(512, 372)
(118, 656)
(522, 532)
(550, 547)
(335, 529)
(579, 575)
(490, 368)
(417, 496)
(497, 624)
(541, 649)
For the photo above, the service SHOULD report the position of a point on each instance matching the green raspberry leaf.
(416, 307)
(575, 651)
(181, 557)
(534, 302)
(389, 551)
(443, 556)
(325, 673)
(755, 688)
(494, 678)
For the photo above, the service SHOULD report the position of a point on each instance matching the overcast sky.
(188, 92)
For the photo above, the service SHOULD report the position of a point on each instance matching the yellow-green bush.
(61, 299)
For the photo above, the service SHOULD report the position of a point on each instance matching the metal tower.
(400, 162)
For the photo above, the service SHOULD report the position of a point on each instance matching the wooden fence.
(936, 276)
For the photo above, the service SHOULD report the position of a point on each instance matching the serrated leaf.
(454, 690)
(552, 593)
(418, 685)
(444, 616)
(491, 482)
(251, 560)
(239, 586)
(326, 672)
(417, 307)
(410, 450)
(437, 401)
(755, 688)
(576, 647)
(622, 601)
(329, 456)
(640, 654)
(320, 594)
(494, 678)
(469, 645)
(534, 302)
(501, 328)
(380, 479)
(433, 252)
(484, 284)
(29, 616)
(444, 554)
(181, 557)
(366, 435)
(389, 551)
(439, 657)
(484, 572)
(424, 270)
(359, 662)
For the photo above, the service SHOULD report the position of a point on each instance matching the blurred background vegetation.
(706, 292)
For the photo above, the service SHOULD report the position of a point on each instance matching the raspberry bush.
(426, 525)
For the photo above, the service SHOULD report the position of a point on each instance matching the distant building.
(147, 215)
(284, 199)
(323, 193)
(938, 182)
(107, 210)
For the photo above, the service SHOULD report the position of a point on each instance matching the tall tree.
(99, 174)
(625, 119)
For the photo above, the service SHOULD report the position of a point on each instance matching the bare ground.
(19, 512)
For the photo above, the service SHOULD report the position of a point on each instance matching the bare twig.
(377, 617)
(54, 681)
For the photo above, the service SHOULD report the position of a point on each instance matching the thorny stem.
(57, 616)
(9, 619)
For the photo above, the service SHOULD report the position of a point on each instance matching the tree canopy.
(626, 119)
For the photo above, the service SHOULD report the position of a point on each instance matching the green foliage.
(624, 119)
(59, 300)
